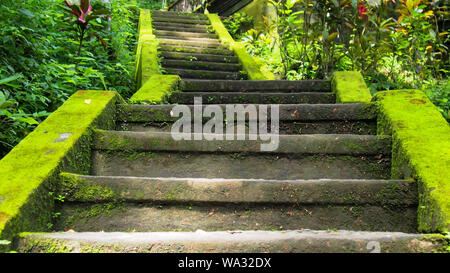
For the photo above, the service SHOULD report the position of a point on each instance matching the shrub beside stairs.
(334, 184)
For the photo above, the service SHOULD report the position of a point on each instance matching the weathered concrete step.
(201, 44)
(253, 97)
(169, 14)
(181, 20)
(189, 56)
(222, 217)
(195, 64)
(239, 165)
(294, 241)
(158, 25)
(292, 112)
(197, 53)
(245, 191)
(205, 74)
(194, 39)
(355, 127)
(244, 86)
(292, 144)
(185, 34)
(171, 27)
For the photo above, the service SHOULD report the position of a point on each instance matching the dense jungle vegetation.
(42, 62)
(395, 44)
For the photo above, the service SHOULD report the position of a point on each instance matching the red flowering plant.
(84, 13)
(362, 9)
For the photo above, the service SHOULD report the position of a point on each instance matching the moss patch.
(350, 87)
(157, 89)
(76, 188)
(251, 67)
(62, 142)
(29, 244)
(420, 149)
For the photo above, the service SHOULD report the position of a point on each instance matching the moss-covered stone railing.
(156, 90)
(29, 173)
(421, 150)
(421, 143)
(147, 49)
(152, 86)
(350, 87)
(253, 68)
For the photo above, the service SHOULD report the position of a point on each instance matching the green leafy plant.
(395, 44)
(237, 24)
(39, 65)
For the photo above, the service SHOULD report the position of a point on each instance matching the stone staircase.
(191, 50)
(327, 187)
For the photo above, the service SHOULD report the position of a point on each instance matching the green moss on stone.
(75, 188)
(350, 87)
(157, 89)
(61, 142)
(32, 244)
(147, 61)
(249, 64)
(421, 150)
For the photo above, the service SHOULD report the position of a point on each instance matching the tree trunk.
(183, 6)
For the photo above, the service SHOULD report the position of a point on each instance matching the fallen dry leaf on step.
(211, 212)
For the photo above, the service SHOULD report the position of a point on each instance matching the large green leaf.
(10, 79)
(28, 120)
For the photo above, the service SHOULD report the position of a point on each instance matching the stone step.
(293, 119)
(252, 85)
(246, 191)
(195, 64)
(202, 54)
(253, 97)
(204, 74)
(179, 15)
(293, 241)
(331, 144)
(291, 112)
(131, 203)
(368, 127)
(185, 34)
(194, 39)
(156, 25)
(185, 21)
(199, 44)
(239, 165)
(182, 29)
(160, 217)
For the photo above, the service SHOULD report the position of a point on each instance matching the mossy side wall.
(152, 86)
(147, 50)
(420, 149)
(350, 87)
(29, 173)
(251, 67)
(156, 90)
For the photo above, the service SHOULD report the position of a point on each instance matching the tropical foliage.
(237, 24)
(395, 44)
(46, 54)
